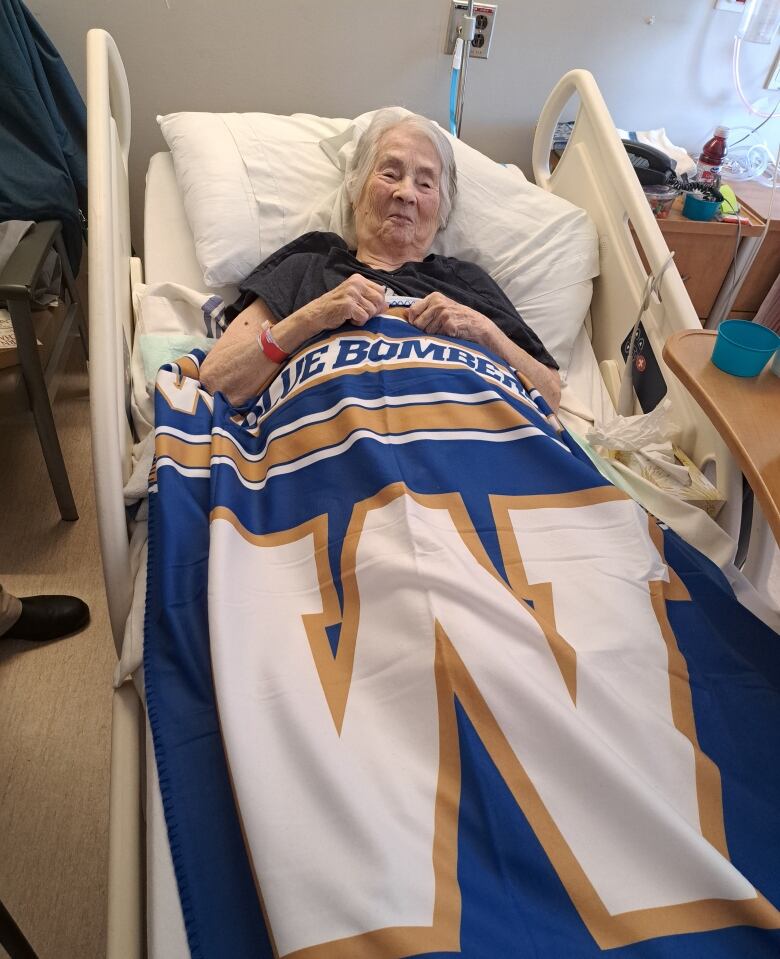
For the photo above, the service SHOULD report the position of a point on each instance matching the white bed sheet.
(169, 255)
(584, 396)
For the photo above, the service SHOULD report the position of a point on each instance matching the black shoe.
(48, 617)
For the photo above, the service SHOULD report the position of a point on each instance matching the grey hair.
(367, 149)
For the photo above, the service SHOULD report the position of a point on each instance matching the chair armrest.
(18, 276)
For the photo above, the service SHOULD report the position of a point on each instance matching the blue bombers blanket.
(422, 684)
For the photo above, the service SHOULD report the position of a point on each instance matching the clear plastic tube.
(774, 190)
(468, 26)
(748, 162)
(457, 59)
(454, 103)
(737, 82)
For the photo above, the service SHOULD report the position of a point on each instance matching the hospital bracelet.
(270, 347)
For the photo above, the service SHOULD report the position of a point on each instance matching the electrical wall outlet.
(483, 34)
(772, 81)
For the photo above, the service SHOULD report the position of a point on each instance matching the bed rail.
(595, 173)
(110, 311)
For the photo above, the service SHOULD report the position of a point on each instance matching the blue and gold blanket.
(422, 684)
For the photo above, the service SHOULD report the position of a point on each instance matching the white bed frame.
(594, 173)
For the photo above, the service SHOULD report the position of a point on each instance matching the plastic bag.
(646, 445)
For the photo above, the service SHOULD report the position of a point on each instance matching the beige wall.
(347, 56)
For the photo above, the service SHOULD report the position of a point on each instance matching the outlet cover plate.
(486, 19)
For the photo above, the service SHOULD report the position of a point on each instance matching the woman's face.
(399, 206)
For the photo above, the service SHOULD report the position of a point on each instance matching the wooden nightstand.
(703, 252)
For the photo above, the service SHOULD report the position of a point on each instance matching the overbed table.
(745, 412)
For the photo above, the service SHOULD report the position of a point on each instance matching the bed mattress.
(169, 255)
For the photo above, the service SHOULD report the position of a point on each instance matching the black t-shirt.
(318, 262)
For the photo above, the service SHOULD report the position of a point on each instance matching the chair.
(12, 938)
(17, 283)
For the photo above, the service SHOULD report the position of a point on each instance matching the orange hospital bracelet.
(270, 347)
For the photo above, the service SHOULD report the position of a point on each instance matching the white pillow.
(252, 182)
(248, 182)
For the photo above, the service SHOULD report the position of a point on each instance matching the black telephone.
(652, 165)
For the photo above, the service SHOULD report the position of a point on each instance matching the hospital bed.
(594, 174)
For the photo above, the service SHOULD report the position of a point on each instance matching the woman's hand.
(355, 300)
(439, 314)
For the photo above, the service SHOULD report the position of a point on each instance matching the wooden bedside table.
(704, 252)
(745, 411)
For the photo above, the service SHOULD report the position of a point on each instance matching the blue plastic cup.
(696, 208)
(743, 348)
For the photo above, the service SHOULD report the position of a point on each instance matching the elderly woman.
(402, 190)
